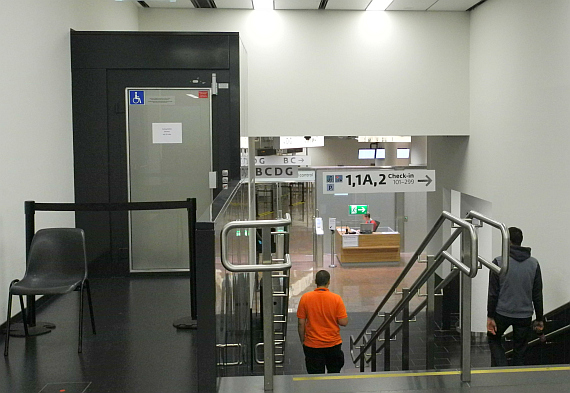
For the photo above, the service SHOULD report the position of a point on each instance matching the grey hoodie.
(515, 294)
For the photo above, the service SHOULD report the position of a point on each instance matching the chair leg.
(9, 317)
(90, 305)
(79, 349)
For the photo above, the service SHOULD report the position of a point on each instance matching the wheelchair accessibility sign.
(136, 97)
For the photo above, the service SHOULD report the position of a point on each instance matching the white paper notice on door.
(166, 132)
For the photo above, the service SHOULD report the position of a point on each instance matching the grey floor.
(523, 380)
(136, 349)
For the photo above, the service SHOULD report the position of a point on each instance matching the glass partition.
(234, 291)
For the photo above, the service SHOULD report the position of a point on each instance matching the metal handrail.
(418, 309)
(505, 244)
(266, 267)
(547, 336)
(399, 306)
(472, 271)
(253, 224)
(469, 267)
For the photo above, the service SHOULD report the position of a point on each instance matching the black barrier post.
(30, 212)
(192, 321)
(206, 332)
(30, 207)
(192, 247)
(34, 328)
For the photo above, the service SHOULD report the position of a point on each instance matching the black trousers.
(316, 359)
(521, 334)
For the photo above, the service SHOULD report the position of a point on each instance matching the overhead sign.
(278, 160)
(278, 171)
(357, 209)
(282, 160)
(372, 181)
(302, 177)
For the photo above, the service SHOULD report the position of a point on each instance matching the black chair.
(57, 264)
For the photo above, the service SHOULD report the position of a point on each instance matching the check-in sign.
(278, 160)
(278, 171)
(372, 181)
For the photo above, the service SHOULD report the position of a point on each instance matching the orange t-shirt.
(322, 309)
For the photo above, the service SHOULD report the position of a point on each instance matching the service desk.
(380, 246)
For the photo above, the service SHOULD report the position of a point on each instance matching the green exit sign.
(357, 209)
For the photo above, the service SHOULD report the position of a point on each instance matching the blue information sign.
(136, 97)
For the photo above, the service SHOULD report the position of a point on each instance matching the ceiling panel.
(453, 5)
(169, 4)
(241, 4)
(410, 5)
(358, 5)
(297, 4)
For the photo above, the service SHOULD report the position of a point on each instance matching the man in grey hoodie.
(511, 300)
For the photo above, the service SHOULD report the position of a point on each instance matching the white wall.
(337, 151)
(345, 72)
(523, 110)
(36, 153)
(518, 149)
(500, 75)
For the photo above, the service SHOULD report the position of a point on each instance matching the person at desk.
(368, 220)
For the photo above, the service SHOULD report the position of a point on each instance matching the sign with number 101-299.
(371, 181)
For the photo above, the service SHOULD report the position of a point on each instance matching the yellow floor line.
(362, 376)
(430, 373)
(521, 370)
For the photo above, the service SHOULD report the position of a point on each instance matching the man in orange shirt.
(321, 313)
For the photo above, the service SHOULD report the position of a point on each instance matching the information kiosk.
(352, 246)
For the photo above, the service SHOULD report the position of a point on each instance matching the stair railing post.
(373, 353)
(430, 319)
(406, 332)
(466, 251)
(387, 341)
(268, 338)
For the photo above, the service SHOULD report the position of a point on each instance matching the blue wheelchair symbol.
(136, 97)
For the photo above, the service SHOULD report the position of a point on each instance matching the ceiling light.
(262, 4)
(379, 5)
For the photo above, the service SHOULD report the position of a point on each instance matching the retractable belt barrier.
(31, 207)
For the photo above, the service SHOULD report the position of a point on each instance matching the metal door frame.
(209, 89)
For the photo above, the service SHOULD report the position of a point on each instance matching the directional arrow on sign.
(361, 209)
(427, 181)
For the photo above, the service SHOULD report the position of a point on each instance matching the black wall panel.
(91, 162)
(131, 50)
(103, 65)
